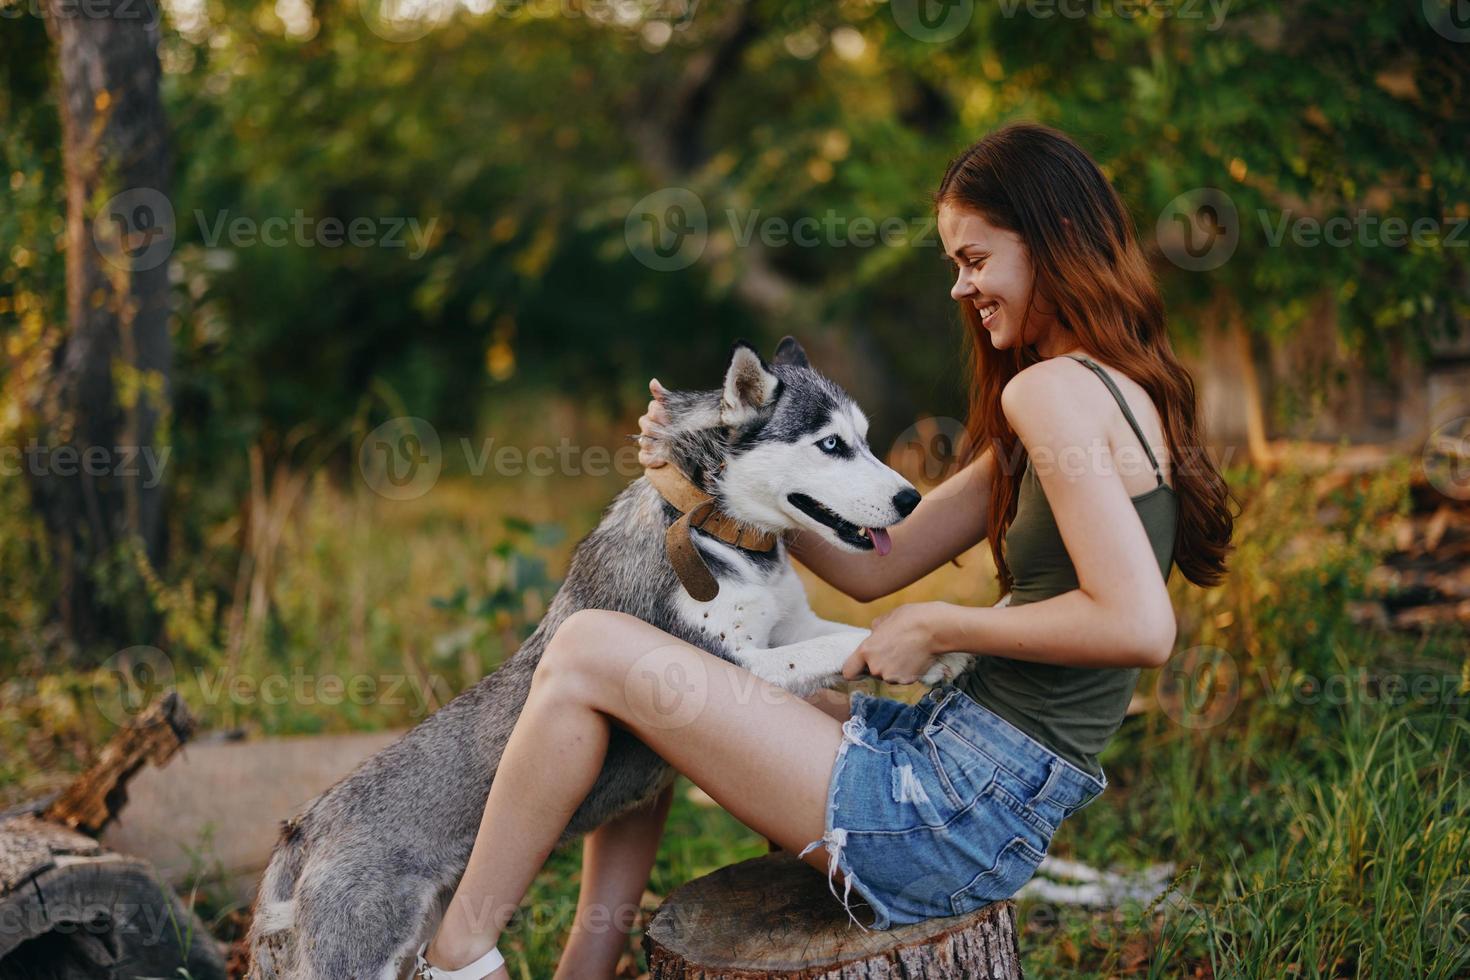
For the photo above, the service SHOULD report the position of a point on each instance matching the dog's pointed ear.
(749, 386)
(789, 351)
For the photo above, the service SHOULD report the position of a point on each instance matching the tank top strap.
(1127, 413)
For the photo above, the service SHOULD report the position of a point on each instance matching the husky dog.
(363, 876)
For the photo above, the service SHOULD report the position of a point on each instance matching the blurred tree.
(104, 400)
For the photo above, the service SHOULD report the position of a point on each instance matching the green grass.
(1316, 812)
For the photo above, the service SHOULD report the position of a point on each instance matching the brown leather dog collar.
(699, 510)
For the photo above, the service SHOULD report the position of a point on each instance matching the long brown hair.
(1026, 179)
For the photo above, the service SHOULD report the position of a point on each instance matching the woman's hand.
(650, 449)
(901, 648)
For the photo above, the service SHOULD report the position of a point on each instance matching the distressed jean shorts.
(940, 807)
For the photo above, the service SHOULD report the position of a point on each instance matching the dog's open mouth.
(868, 538)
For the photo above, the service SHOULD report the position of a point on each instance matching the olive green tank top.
(1074, 711)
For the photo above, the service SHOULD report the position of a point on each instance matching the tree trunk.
(774, 917)
(96, 468)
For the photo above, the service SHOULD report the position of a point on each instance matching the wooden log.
(773, 917)
(99, 793)
(71, 911)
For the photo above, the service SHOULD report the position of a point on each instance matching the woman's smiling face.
(993, 274)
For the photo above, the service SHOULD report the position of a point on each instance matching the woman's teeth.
(987, 312)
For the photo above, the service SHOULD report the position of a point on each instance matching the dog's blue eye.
(831, 444)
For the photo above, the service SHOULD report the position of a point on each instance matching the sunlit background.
(364, 298)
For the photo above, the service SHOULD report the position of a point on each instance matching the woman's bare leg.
(616, 860)
(762, 753)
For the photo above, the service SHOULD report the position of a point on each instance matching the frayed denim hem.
(835, 839)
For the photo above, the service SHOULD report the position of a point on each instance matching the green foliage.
(1313, 816)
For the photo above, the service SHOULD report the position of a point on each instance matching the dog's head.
(783, 447)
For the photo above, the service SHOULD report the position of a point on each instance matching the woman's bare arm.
(1120, 614)
(950, 520)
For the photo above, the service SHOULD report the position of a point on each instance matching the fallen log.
(72, 910)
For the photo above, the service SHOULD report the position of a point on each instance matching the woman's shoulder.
(1052, 388)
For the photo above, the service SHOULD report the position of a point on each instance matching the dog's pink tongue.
(882, 543)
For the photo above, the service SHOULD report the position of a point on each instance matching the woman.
(1088, 476)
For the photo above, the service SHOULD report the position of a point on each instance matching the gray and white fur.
(363, 876)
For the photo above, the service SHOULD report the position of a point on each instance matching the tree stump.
(774, 917)
(72, 910)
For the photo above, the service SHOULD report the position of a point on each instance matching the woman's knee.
(586, 637)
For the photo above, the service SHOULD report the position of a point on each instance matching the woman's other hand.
(650, 447)
(901, 648)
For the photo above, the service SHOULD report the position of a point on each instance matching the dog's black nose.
(905, 501)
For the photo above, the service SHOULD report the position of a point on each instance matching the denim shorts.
(940, 807)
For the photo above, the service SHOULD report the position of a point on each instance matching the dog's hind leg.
(362, 917)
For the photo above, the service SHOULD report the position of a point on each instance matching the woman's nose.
(962, 287)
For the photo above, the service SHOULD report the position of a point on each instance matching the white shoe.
(478, 970)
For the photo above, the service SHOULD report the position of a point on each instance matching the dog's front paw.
(947, 666)
(808, 666)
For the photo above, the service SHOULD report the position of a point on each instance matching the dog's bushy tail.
(272, 950)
